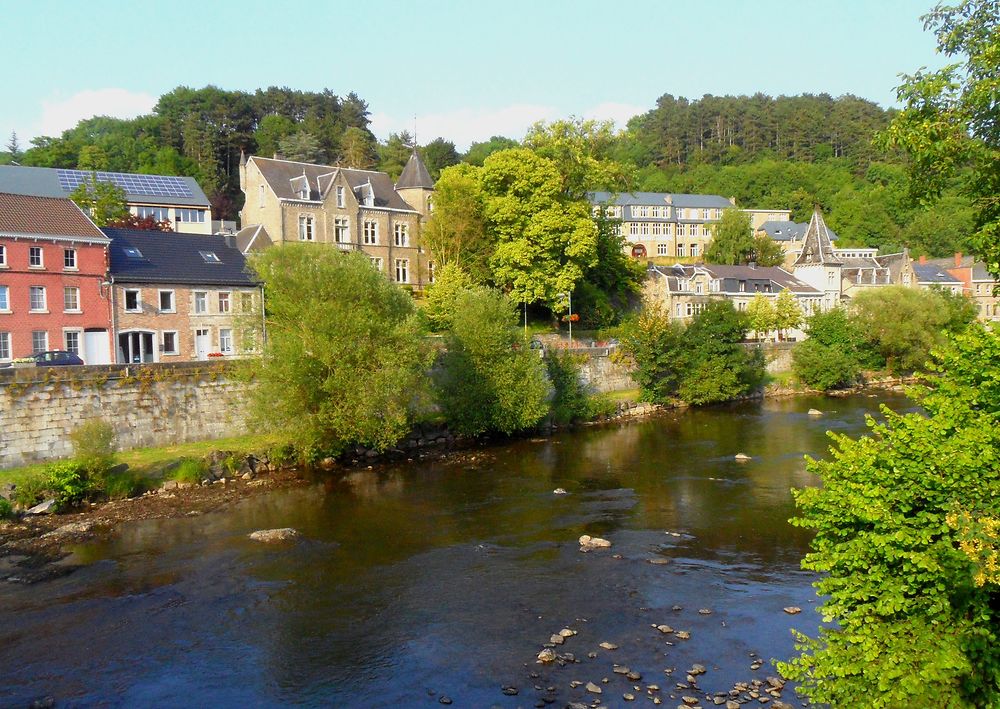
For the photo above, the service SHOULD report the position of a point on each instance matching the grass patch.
(624, 395)
(190, 470)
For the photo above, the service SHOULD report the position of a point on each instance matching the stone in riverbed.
(742, 457)
(546, 655)
(683, 634)
(43, 508)
(689, 700)
(593, 688)
(664, 628)
(704, 611)
(557, 639)
(588, 542)
(697, 670)
(274, 535)
(620, 669)
(815, 412)
(559, 491)
(634, 676)
(510, 691)
(567, 633)
(608, 646)
(792, 610)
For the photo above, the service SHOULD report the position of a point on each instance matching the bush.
(31, 490)
(122, 485)
(823, 366)
(570, 398)
(488, 379)
(439, 308)
(68, 482)
(6, 509)
(654, 342)
(190, 470)
(94, 445)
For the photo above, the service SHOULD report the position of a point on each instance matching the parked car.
(56, 358)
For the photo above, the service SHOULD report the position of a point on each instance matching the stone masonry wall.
(149, 405)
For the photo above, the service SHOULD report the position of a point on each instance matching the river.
(440, 579)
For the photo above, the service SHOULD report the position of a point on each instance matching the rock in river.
(43, 508)
(742, 457)
(815, 412)
(274, 535)
(588, 542)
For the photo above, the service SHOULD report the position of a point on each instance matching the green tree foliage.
(916, 619)
(103, 201)
(450, 282)
(301, 146)
(488, 380)
(904, 324)
(393, 154)
(787, 313)
(571, 399)
(358, 148)
(344, 362)
(761, 316)
(456, 230)
(544, 240)
(834, 353)
(13, 147)
(92, 157)
(439, 154)
(732, 240)
(583, 152)
(950, 116)
(271, 130)
(478, 152)
(702, 363)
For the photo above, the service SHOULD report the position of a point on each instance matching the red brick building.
(53, 289)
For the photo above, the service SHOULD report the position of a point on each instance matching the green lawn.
(149, 461)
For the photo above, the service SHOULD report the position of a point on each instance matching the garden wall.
(148, 405)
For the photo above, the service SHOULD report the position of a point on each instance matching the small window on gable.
(132, 252)
(210, 257)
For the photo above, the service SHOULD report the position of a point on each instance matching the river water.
(413, 582)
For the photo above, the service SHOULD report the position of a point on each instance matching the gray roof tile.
(44, 182)
(170, 257)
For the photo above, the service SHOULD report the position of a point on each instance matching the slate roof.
(44, 182)
(170, 257)
(817, 246)
(280, 174)
(415, 174)
(46, 216)
(694, 201)
(783, 231)
(766, 279)
(253, 238)
(929, 273)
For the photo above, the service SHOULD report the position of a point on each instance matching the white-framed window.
(699, 288)
(5, 298)
(677, 310)
(168, 342)
(633, 228)
(35, 257)
(225, 302)
(661, 250)
(133, 300)
(342, 229)
(190, 215)
(3, 256)
(340, 196)
(377, 263)
(167, 303)
(200, 302)
(401, 234)
(159, 214)
(680, 250)
(694, 249)
(370, 232)
(36, 299)
(39, 341)
(71, 341)
(71, 299)
(656, 229)
(225, 340)
(704, 214)
(639, 211)
(688, 309)
(69, 259)
(430, 271)
(4, 345)
(644, 229)
(402, 270)
(307, 227)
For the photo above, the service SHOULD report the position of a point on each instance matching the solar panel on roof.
(153, 185)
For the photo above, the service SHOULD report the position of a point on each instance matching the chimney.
(958, 259)
(753, 265)
(923, 260)
(230, 241)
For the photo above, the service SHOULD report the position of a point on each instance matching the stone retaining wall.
(148, 405)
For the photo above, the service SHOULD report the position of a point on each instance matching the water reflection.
(446, 576)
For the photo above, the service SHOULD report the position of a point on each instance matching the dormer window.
(210, 257)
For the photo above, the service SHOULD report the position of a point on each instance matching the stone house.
(350, 209)
(179, 297)
(977, 283)
(931, 276)
(177, 200)
(53, 294)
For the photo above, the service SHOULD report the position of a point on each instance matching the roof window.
(210, 257)
(132, 252)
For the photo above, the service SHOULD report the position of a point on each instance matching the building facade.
(353, 210)
(53, 294)
(977, 283)
(179, 298)
(166, 198)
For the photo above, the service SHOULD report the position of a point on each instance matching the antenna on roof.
(414, 131)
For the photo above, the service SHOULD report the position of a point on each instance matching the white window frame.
(225, 301)
(173, 301)
(5, 302)
(342, 230)
(377, 262)
(661, 250)
(79, 340)
(401, 234)
(75, 290)
(45, 347)
(307, 227)
(369, 230)
(430, 272)
(340, 197)
(204, 301)
(69, 255)
(163, 343)
(45, 300)
(225, 333)
(138, 300)
(3, 256)
(5, 346)
(402, 269)
(32, 250)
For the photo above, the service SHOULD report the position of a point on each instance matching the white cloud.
(466, 125)
(62, 113)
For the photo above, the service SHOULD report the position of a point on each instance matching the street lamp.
(570, 317)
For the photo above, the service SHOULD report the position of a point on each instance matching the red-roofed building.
(53, 293)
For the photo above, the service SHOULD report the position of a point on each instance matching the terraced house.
(346, 208)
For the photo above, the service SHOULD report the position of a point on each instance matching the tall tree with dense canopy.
(456, 231)
(439, 154)
(103, 201)
(345, 362)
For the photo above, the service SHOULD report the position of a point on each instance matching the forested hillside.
(768, 152)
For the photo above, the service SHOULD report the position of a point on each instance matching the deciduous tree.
(103, 201)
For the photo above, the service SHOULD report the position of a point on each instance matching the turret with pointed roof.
(415, 184)
(817, 247)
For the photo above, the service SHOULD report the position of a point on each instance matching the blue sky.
(466, 70)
